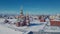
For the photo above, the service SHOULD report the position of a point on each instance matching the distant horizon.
(30, 14)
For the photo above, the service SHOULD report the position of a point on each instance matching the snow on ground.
(12, 20)
(36, 28)
(10, 29)
(2, 20)
(5, 30)
(52, 29)
(24, 29)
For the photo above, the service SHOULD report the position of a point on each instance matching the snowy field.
(12, 29)
(52, 29)
(5, 30)
(24, 29)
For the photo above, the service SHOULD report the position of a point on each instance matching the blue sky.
(30, 6)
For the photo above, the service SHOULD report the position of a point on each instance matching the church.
(22, 20)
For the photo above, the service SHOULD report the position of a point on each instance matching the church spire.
(21, 10)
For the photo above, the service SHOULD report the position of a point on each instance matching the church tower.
(21, 11)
